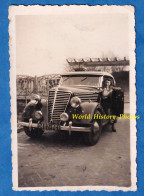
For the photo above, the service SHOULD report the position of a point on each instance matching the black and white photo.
(73, 98)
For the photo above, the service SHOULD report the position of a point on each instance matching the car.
(73, 105)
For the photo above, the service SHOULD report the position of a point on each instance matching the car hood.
(78, 89)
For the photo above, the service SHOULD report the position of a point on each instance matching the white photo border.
(73, 9)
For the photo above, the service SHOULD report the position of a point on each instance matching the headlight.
(64, 116)
(38, 115)
(75, 102)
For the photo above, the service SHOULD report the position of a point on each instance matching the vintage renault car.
(72, 105)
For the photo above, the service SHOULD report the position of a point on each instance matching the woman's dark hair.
(107, 80)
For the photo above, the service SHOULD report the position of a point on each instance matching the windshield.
(80, 80)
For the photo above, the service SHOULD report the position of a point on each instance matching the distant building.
(97, 64)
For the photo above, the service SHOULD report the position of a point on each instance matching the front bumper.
(68, 128)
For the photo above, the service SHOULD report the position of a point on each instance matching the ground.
(61, 160)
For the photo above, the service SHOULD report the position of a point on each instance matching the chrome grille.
(57, 104)
(88, 96)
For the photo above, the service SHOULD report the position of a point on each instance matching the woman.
(106, 100)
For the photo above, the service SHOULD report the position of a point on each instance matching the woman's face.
(107, 83)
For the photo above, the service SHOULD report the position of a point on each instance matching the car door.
(117, 101)
(117, 98)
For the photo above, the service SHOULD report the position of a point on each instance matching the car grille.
(57, 104)
(88, 97)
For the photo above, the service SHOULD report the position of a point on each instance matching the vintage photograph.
(73, 99)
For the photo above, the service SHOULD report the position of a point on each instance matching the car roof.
(97, 73)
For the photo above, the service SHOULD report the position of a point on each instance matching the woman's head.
(107, 83)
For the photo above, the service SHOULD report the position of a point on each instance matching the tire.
(34, 133)
(92, 137)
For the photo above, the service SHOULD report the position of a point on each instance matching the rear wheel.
(92, 137)
(34, 133)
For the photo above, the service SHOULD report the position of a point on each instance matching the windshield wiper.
(65, 79)
(83, 79)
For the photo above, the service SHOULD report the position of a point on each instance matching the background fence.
(26, 85)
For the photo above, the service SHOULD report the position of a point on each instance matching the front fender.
(87, 111)
(30, 107)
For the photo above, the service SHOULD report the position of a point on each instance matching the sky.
(44, 42)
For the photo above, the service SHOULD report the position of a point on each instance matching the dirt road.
(61, 160)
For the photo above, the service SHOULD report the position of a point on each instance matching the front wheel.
(34, 133)
(92, 137)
